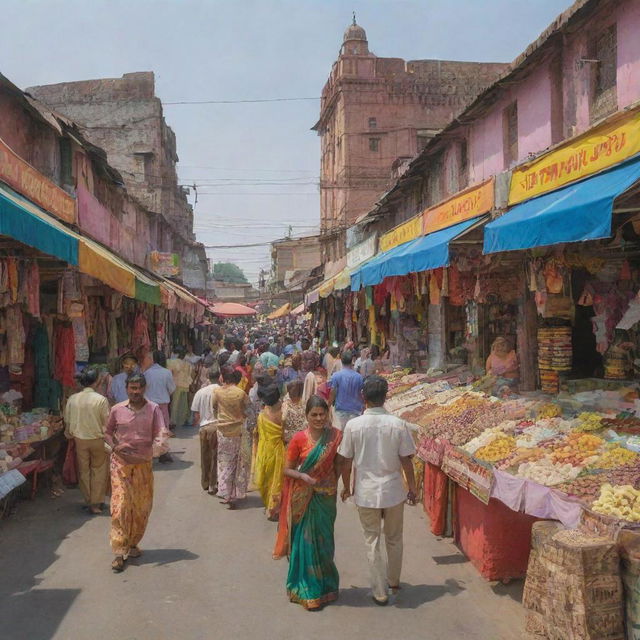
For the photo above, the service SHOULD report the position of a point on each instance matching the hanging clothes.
(43, 382)
(33, 289)
(15, 335)
(64, 359)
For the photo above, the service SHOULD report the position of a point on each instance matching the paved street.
(207, 573)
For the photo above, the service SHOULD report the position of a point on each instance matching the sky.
(255, 164)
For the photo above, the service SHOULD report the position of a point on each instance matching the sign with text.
(403, 233)
(164, 264)
(470, 203)
(594, 151)
(30, 183)
(361, 252)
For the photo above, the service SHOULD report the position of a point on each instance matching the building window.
(373, 123)
(603, 48)
(66, 162)
(463, 166)
(510, 134)
(374, 144)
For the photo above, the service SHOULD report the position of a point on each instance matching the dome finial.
(354, 19)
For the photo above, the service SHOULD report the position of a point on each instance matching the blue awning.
(578, 212)
(368, 273)
(422, 254)
(27, 223)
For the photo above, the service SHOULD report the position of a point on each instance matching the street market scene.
(288, 326)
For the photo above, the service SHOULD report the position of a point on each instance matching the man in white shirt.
(205, 418)
(380, 447)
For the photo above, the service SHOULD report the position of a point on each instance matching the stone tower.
(375, 115)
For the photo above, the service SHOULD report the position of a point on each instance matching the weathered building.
(293, 260)
(376, 115)
(124, 117)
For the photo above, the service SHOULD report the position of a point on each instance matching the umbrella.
(280, 312)
(231, 309)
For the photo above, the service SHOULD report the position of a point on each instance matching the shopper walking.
(230, 404)
(309, 360)
(269, 468)
(346, 392)
(85, 416)
(118, 387)
(159, 388)
(380, 447)
(293, 411)
(205, 418)
(308, 513)
(135, 428)
(183, 372)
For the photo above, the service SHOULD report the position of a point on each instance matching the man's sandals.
(118, 563)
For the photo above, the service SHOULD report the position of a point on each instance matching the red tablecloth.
(435, 498)
(496, 539)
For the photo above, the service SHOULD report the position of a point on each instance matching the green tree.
(228, 272)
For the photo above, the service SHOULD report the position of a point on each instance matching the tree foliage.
(229, 272)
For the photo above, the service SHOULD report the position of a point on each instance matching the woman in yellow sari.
(269, 468)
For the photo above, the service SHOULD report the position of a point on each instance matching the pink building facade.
(584, 68)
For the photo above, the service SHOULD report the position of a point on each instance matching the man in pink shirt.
(135, 429)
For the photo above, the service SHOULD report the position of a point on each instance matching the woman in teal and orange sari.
(308, 510)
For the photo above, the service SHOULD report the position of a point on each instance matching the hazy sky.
(257, 164)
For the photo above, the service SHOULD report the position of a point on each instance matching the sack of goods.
(573, 587)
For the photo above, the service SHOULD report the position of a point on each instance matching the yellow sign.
(402, 233)
(472, 202)
(594, 151)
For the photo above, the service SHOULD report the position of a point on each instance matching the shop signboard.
(164, 264)
(401, 234)
(361, 252)
(470, 203)
(596, 150)
(30, 183)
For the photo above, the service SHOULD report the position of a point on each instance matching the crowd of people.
(278, 414)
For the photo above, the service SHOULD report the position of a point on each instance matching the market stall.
(518, 459)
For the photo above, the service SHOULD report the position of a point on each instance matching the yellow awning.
(326, 288)
(100, 263)
(280, 312)
(343, 279)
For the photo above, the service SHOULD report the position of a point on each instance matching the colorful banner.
(401, 234)
(468, 204)
(22, 177)
(594, 151)
(164, 264)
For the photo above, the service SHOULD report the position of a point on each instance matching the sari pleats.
(269, 471)
(313, 578)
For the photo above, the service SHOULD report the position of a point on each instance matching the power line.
(201, 166)
(260, 193)
(237, 101)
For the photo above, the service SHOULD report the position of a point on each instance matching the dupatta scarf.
(296, 495)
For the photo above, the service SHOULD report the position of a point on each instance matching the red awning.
(231, 309)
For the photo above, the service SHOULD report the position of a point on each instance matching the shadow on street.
(161, 557)
(409, 596)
